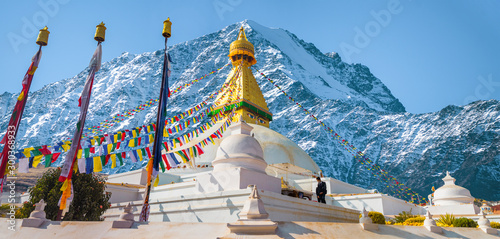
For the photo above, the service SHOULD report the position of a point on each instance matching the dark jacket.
(321, 188)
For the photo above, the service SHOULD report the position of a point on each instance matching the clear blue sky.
(429, 53)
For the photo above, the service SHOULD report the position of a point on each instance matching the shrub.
(4, 209)
(414, 221)
(495, 225)
(89, 201)
(403, 216)
(377, 217)
(464, 222)
(446, 219)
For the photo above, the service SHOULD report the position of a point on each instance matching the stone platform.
(54, 230)
(225, 206)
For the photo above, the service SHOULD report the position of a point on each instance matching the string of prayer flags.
(347, 146)
(120, 117)
(99, 140)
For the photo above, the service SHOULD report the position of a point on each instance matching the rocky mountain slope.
(415, 148)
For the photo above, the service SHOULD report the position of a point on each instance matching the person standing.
(321, 190)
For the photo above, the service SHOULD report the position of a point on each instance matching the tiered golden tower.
(244, 92)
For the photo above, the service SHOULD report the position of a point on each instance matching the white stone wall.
(461, 209)
(382, 203)
(170, 205)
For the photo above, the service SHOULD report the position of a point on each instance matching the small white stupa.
(452, 199)
(451, 194)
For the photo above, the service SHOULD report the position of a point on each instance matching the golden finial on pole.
(100, 32)
(43, 37)
(167, 28)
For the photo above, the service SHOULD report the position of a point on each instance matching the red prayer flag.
(55, 156)
(149, 152)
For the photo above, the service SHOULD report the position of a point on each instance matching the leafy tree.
(90, 200)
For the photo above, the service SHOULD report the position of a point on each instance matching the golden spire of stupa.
(244, 93)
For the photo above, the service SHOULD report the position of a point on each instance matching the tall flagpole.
(83, 103)
(9, 140)
(154, 161)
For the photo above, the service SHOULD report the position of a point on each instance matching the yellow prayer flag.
(65, 185)
(97, 164)
(139, 153)
(191, 152)
(66, 189)
(37, 160)
(149, 165)
(151, 138)
(75, 166)
(27, 151)
(113, 160)
(110, 147)
(157, 180)
(79, 154)
(65, 147)
(21, 96)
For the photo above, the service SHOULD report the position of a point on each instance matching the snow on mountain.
(415, 148)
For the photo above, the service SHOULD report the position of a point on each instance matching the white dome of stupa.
(451, 194)
(240, 150)
(277, 149)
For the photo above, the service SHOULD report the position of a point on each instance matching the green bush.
(377, 217)
(495, 225)
(464, 222)
(403, 216)
(4, 209)
(446, 219)
(89, 201)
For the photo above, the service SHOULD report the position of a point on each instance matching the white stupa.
(213, 186)
(451, 194)
(452, 199)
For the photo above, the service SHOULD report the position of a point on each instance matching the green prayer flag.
(119, 155)
(87, 152)
(103, 160)
(48, 160)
